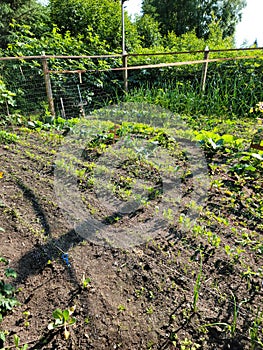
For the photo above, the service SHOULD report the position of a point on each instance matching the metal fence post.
(125, 71)
(48, 86)
(204, 70)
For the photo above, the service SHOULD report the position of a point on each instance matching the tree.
(181, 16)
(28, 12)
(148, 31)
(76, 16)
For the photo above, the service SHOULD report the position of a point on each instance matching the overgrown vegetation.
(96, 86)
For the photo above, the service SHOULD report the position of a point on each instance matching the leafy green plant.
(6, 97)
(257, 141)
(257, 110)
(7, 291)
(185, 344)
(63, 319)
(85, 282)
(213, 141)
(16, 341)
(233, 253)
(255, 332)
(7, 137)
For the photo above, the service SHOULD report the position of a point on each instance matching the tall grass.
(232, 88)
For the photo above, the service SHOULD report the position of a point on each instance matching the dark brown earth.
(139, 298)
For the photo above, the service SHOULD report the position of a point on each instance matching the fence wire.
(79, 84)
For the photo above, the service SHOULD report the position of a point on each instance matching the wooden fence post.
(48, 86)
(204, 70)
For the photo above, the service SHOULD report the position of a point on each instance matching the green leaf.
(228, 138)
(57, 314)
(4, 260)
(31, 124)
(16, 340)
(10, 273)
(72, 321)
(2, 336)
(251, 168)
(8, 289)
(58, 322)
(66, 315)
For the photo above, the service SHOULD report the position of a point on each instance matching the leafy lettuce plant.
(63, 319)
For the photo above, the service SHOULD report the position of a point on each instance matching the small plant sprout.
(233, 253)
(255, 331)
(150, 310)
(63, 319)
(230, 327)
(121, 308)
(187, 344)
(17, 342)
(26, 317)
(85, 281)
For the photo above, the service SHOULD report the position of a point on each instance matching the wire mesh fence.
(70, 86)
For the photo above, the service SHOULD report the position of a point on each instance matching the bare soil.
(137, 298)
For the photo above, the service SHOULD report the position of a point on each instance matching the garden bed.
(179, 289)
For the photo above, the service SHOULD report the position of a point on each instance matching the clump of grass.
(7, 137)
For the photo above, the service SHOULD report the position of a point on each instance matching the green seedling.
(121, 308)
(229, 327)
(85, 282)
(255, 331)
(3, 335)
(63, 319)
(150, 311)
(187, 344)
(233, 253)
(26, 315)
(17, 343)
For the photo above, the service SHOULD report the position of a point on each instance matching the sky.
(247, 31)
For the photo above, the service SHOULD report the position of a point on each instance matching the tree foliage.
(181, 16)
(148, 31)
(28, 12)
(77, 16)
